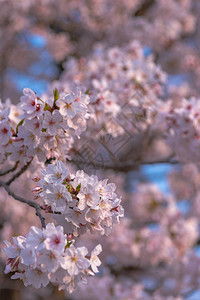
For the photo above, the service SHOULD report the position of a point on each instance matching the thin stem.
(10, 170)
(23, 200)
(20, 172)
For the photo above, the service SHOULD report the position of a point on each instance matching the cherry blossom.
(83, 200)
(122, 103)
(94, 260)
(38, 261)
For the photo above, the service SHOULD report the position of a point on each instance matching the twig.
(102, 142)
(129, 165)
(189, 293)
(20, 172)
(10, 170)
(146, 5)
(23, 200)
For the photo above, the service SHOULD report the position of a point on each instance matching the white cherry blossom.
(55, 238)
(70, 106)
(52, 121)
(55, 173)
(31, 104)
(57, 197)
(5, 133)
(74, 260)
(94, 260)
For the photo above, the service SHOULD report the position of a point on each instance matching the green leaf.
(78, 188)
(56, 95)
(19, 124)
(87, 92)
(68, 244)
(47, 107)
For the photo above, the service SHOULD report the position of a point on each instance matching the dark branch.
(146, 5)
(23, 200)
(10, 170)
(20, 172)
(126, 166)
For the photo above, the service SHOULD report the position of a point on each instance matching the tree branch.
(146, 5)
(20, 172)
(10, 170)
(23, 200)
(126, 166)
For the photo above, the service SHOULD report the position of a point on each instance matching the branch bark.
(20, 172)
(23, 200)
(126, 166)
(10, 170)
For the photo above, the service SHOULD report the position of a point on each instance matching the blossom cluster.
(154, 231)
(148, 203)
(153, 244)
(117, 108)
(49, 255)
(183, 130)
(45, 128)
(81, 202)
(116, 48)
(125, 287)
(165, 23)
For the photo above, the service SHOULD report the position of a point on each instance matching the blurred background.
(38, 39)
